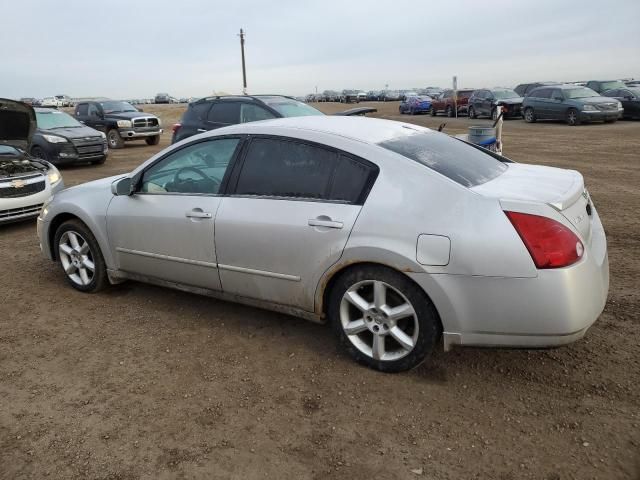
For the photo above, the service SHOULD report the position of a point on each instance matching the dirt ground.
(144, 382)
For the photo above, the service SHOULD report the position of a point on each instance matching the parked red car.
(445, 103)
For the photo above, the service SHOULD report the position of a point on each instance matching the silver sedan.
(396, 235)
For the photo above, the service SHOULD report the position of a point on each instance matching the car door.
(542, 103)
(287, 219)
(557, 105)
(95, 117)
(166, 228)
(631, 103)
(487, 103)
(223, 113)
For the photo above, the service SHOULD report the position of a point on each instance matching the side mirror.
(124, 186)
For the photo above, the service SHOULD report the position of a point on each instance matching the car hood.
(596, 100)
(17, 123)
(509, 101)
(74, 133)
(20, 164)
(127, 115)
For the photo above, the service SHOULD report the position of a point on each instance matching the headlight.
(619, 106)
(159, 122)
(54, 139)
(124, 123)
(589, 108)
(102, 135)
(54, 176)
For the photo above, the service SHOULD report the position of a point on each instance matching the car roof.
(362, 129)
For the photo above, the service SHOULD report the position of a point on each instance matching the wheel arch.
(53, 228)
(330, 278)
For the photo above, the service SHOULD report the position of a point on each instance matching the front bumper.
(23, 208)
(67, 153)
(133, 133)
(588, 116)
(554, 308)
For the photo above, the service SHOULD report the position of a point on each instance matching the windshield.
(455, 159)
(290, 108)
(634, 90)
(56, 119)
(8, 150)
(117, 107)
(583, 92)
(611, 85)
(502, 94)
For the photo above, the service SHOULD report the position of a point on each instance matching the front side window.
(225, 112)
(117, 107)
(250, 112)
(196, 169)
(284, 168)
(450, 157)
(82, 110)
(93, 110)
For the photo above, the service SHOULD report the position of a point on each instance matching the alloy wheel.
(76, 258)
(113, 139)
(379, 320)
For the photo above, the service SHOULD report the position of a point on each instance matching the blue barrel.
(483, 136)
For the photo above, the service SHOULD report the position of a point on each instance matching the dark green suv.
(570, 103)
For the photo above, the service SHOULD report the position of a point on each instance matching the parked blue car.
(413, 105)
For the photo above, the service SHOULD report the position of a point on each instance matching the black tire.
(100, 161)
(99, 280)
(433, 112)
(472, 113)
(573, 117)
(412, 111)
(449, 112)
(428, 321)
(529, 115)
(39, 153)
(114, 139)
(400, 110)
(612, 120)
(155, 140)
(494, 114)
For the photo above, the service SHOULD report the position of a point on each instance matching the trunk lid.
(562, 189)
(17, 123)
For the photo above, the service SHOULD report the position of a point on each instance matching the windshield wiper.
(64, 126)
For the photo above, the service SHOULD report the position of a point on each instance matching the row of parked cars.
(349, 96)
(595, 100)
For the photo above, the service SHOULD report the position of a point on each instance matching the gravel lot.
(144, 382)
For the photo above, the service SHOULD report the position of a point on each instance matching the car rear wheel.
(114, 139)
(100, 161)
(80, 257)
(383, 319)
(529, 115)
(472, 113)
(449, 112)
(494, 114)
(155, 140)
(572, 117)
(433, 112)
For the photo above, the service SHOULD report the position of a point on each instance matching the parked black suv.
(485, 102)
(524, 88)
(62, 140)
(604, 85)
(214, 112)
(119, 121)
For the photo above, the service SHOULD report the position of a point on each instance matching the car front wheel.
(383, 319)
(449, 112)
(572, 117)
(472, 113)
(114, 139)
(155, 140)
(80, 257)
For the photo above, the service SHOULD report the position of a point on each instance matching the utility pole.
(244, 70)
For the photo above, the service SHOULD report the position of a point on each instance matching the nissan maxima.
(394, 234)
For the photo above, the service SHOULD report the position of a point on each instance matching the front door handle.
(324, 221)
(197, 213)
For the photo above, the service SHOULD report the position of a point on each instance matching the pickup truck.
(445, 103)
(120, 122)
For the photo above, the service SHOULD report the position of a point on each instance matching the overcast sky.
(135, 49)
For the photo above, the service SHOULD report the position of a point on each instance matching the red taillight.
(551, 244)
(176, 127)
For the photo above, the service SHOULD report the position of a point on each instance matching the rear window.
(452, 158)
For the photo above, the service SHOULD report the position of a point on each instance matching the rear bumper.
(554, 308)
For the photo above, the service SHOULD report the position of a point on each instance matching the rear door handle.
(324, 221)
(197, 213)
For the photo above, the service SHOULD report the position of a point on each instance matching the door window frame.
(232, 184)
(222, 191)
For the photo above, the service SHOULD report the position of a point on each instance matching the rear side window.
(452, 158)
(250, 112)
(198, 111)
(225, 112)
(82, 109)
(284, 168)
(541, 93)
